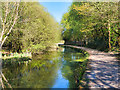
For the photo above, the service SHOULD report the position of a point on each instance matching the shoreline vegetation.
(7, 55)
(15, 55)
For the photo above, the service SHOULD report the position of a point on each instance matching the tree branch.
(12, 24)
(6, 13)
(11, 17)
(4, 22)
(2, 30)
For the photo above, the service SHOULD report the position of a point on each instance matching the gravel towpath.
(103, 70)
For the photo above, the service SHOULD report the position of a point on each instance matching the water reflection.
(48, 70)
(60, 81)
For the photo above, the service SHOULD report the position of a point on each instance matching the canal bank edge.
(83, 83)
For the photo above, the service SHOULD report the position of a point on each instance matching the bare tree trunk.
(109, 36)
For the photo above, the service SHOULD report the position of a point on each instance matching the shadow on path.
(102, 70)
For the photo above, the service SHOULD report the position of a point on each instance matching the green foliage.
(35, 30)
(41, 30)
(87, 22)
(14, 41)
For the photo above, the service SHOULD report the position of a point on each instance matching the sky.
(56, 9)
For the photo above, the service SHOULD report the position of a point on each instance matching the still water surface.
(49, 70)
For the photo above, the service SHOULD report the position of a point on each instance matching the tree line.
(27, 26)
(93, 24)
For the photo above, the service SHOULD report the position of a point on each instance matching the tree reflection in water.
(46, 70)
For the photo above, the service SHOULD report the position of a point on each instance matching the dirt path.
(103, 70)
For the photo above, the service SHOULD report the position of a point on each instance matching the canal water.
(55, 69)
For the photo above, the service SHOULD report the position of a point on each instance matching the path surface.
(103, 70)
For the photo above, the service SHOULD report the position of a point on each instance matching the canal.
(56, 69)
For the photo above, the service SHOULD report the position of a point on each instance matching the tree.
(9, 17)
(39, 28)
